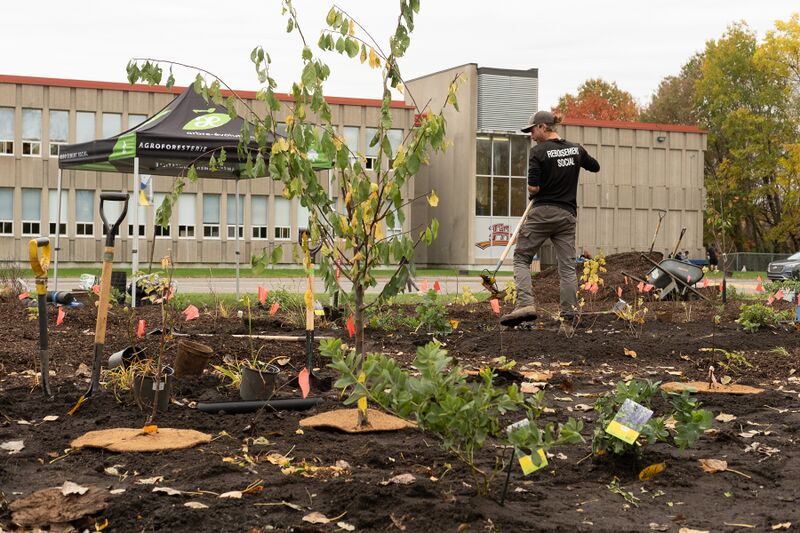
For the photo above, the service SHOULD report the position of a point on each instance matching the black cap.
(540, 117)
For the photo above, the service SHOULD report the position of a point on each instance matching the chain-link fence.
(752, 261)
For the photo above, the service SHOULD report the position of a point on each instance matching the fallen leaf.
(261, 441)
(117, 491)
(725, 380)
(724, 417)
(50, 418)
(629, 353)
(168, 491)
(282, 361)
(278, 459)
(315, 517)
(562, 398)
(782, 525)
(113, 470)
(583, 407)
(235, 494)
(400, 479)
(652, 471)
(713, 466)
(345, 526)
(655, 526)
(195, 505)
(13, 446)
(150, 480)
(72, 488)
(24, 423)
(529, 388)
(299, 431)
(690, 530)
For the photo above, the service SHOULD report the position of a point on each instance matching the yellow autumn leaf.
(150, 429)
(378, 231)
(400, 88)
(363, 56)
(374, 62)
(433, 200)
(652, 471)
(351, 28)
(289, 120)
(630, 353)
(454, 324)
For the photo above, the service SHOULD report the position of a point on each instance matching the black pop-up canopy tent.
(187, 131)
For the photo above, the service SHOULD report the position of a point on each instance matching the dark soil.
(678, 342)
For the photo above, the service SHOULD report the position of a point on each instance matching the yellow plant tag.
(629, 421)
(529, 466)
(150, 429)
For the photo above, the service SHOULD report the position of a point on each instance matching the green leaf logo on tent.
(207, 122)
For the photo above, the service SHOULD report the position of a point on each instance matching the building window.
(372, 152)
(31, 211)
(6, 131)
(6, 211)
(258, 216)
(32, 132)
(112, 211)
(52, 211)
(134, 120)
(187, 215)
(211, 215)
(112, 124)
(133, 203)
(283, 220)
(158, 199)
(303, 216)
(84, 126)
(351, 134)
(231, 215)
(395, 140)
(501, 186)
(59, 129)
(84, 213)
(396, 229)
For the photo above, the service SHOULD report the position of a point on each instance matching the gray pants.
(557, 224)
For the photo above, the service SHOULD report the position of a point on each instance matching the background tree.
(673, 101)
(351, 233)
(598, 99)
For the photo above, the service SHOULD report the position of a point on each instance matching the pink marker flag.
(619, 292)
(24, 295)
(424, 286)
(640, 286)
(262, 295)
(626, 280)
(689, 279)
(351, 326)
(436, 286)
(648, 288)
(302, 379)
(96, 289)
(594, 288)
(779, 295)
(770, 299)
(705, 283)
(274, 308)
(140, 329)
(587, 286)
(191, 312)
(495, 305)
(60, 317)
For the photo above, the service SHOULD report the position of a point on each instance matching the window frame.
(50, 142)
(84, 228)
(187, 231)
(31, 147)
(261, 229)
(7, 145)
(209, 227)
(30, 221)
(282, 232)
(510, 177)
(7, 224)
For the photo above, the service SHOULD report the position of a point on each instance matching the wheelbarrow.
(672, 278)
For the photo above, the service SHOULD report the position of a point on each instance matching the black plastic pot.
(144, 389)
(126, 356)
(258, 384)
(230, 408)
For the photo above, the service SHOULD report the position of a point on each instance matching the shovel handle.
(39, 265)
(112, 229)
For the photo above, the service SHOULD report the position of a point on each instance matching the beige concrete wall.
(452, 173)
(17, 172)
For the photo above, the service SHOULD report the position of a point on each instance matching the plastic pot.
(192, 358)
(126, 356)
(144, 389)
(258, 384)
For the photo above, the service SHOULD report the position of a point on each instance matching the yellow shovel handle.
(38, 265)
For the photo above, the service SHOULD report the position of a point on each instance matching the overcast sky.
(634, 43)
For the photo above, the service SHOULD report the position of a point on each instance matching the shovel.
(489, 279)
(39, 266)
(105, 284)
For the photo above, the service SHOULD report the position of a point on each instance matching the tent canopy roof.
(187, 131)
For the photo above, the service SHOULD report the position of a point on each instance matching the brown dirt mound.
(546, 289)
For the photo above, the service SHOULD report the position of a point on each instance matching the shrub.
(432, 314)
(438, 397)
(690, 421)
(784, 285)
(755, 316)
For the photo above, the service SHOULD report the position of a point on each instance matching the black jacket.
(554, 166)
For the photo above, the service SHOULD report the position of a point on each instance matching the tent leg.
(135, 249)
(58, 232)
(236, 209)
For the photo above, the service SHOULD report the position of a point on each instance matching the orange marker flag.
(351, 326)
(759, 285)
(495, 305)
(640, 286)
(770, 299)
(60, 317)
(191, 312)
(274, 308)
(436, 286)
(423, 287)
(779, 295)
(594, 288)
(302, 379)
(619, 292)
(140, 329)
(648, 287)
(705, 283)
(262, 295)
(24, 295)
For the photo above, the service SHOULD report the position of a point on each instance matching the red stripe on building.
(681, 128)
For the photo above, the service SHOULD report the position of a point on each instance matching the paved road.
(449, 285)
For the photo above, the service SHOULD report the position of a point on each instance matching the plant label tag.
(159, 385)
(528, 463)
(629, 421)
(318, 309)
(516, 425)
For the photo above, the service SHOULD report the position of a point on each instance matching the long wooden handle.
(513, 238)
(310, 305)
(105, 294)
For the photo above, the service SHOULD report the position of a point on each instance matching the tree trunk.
(359, 316)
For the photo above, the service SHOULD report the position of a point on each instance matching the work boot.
(519, 315)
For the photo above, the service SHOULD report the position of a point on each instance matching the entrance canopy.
(187, 131)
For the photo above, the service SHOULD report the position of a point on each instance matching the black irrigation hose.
(231, 408)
